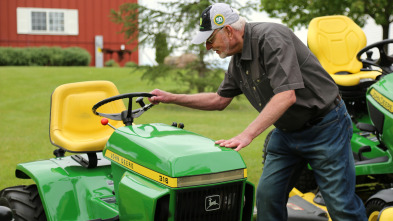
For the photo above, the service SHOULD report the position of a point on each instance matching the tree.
(298, 13)
(161, 46)
(179, 21)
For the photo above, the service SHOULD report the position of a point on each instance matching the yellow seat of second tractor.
(335, 41)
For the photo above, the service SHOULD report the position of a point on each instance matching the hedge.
(44, 56)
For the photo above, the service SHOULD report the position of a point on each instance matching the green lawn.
(24, 114)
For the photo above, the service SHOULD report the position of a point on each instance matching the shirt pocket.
(250, 95)
(262, 89)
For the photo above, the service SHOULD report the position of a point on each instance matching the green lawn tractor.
(126, 171)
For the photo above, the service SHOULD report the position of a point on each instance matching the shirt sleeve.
(229, 86)
(281, 62)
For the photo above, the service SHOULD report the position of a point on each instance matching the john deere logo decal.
(212, 202)
(383, 101)
(219, 20)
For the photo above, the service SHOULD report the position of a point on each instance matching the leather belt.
(320, 117)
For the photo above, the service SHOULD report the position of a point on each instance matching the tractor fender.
(140, 199)
(67, 189)
(385, 195)
(386, 214)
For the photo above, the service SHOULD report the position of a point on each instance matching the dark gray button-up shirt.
(274, 60)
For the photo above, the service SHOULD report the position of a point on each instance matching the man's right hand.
(200, 101)
(161, 96)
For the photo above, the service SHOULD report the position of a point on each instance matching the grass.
(24, 114)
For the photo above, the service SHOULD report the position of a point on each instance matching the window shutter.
(23, 20)
(71, 22)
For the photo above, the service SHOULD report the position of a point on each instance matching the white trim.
(23, 21)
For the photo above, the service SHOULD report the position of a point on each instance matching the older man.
(283, 81)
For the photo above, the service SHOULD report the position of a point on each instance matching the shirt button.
(247, 72)
(260, 104)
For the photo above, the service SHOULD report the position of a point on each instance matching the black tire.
(375, 205)
(306, 181)
(24, 201)
(264, 151)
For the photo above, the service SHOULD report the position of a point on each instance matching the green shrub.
(130, 64)
(4, 58)
(44, 56)
(14, 57)
(57, 57)
(111, 63)
(75, 56)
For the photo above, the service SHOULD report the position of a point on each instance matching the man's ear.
(229, 31)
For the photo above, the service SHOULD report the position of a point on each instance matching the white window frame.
(24, 21)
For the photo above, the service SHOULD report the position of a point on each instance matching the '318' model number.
(163, 179)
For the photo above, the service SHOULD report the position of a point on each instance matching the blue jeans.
(326, 147)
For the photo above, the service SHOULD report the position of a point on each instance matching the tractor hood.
(168, 150)
(384, 87)
(380, 105)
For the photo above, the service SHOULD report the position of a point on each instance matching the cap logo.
(219, 20)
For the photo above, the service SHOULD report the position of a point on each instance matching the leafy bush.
(75, 55)
(161, 46)
(111, 63)
(44, 56)
(131, 64)
(13, 56)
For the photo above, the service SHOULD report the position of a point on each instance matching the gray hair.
(239, 24)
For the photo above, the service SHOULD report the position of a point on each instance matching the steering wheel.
(128, 115)
(384, 62)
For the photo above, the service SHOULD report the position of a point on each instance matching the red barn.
(66, 23)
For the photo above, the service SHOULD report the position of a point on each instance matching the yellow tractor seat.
(335, 41)
(347, 79)
(73, 126)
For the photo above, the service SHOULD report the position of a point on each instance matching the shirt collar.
(246, 52)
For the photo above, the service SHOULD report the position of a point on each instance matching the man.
(285, 82)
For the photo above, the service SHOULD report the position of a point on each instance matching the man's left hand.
(238, 142)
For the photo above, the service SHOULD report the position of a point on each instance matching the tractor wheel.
(306, 181)
(264, 152)
(374, 207)
(24, 201)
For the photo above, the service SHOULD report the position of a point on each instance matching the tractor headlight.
(211, 178)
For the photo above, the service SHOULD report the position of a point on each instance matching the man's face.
(219, 43)
(224, 52)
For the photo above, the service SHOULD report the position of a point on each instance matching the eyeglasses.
(211, 38)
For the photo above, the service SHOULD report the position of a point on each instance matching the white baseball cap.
(213, 17)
